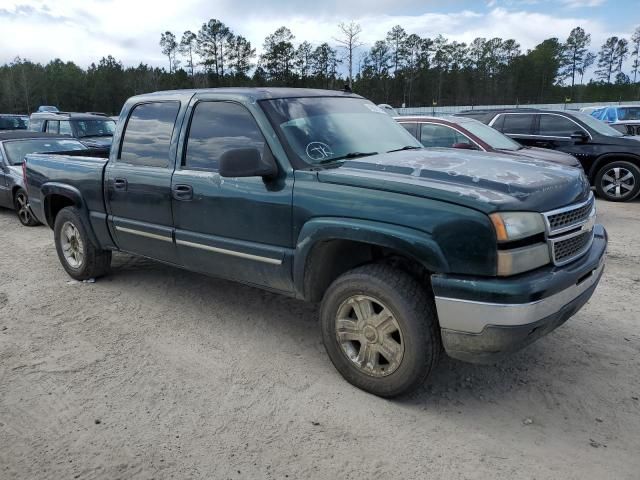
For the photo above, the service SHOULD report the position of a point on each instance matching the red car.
(470, 134)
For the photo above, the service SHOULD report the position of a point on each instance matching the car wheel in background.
(21, 204)
(78, 255)
(618, 181)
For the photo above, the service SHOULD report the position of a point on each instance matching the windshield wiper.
(346, 156)
(407, 147)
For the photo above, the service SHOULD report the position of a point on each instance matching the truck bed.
(47, 172)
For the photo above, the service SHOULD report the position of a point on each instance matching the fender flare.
(53, 188)
(413, 243)
(611, 156)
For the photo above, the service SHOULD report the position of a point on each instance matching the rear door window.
(53, 126)
(518, 123)
(557, 126)
(433, 135)
(147, 136)
(65, 128)
(35, 125)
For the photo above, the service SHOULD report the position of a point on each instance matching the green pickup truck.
(321, 196)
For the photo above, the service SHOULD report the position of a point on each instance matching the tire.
(21, 204)
(79, 257)
(415, 329)
(618, 181)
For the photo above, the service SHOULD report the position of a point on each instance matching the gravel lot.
(155, 372)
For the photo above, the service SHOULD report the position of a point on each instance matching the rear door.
(519, 126)
(138, 182)
(237, 228)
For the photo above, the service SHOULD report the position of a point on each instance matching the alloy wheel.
(72, 246)
(369, 335)
(618, 182)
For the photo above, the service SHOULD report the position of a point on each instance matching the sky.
(83, 31)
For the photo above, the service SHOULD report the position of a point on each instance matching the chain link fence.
(450, 110)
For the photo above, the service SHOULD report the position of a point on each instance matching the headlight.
(512, 226)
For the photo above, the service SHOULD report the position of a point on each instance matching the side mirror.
(463, 146)
(247, 162)
(579, 136)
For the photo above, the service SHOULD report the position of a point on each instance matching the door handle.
(120, 184)
(182, 192)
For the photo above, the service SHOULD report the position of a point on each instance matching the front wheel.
(618, 181)
(21, 204)
(379, 328)
(79, 257)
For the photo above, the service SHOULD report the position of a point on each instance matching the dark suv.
(611, 161)
(93, 130)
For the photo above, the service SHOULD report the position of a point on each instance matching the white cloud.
(83, 31)
(583, 3)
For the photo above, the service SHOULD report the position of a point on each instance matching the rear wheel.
(379, 328)
(21, 204)
(79, 257)
(618, 181)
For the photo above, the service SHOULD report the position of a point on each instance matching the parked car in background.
(624, 118)
(467, 133)
(47, 108)
(611, 161)
(10, 121)
(13, 148)
(321, 196)
(590, 110)
(94, 131)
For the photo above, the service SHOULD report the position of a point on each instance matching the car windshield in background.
(629, 113)
(320, 130)
(95, 128)
(17, 149)
(13, 123)
(489, 135)
(599, 126)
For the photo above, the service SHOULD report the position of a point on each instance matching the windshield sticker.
(319, 151)
(374, 108)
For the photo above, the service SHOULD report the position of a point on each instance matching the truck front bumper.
(483, 319)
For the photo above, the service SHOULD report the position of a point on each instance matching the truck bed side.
(56, 181)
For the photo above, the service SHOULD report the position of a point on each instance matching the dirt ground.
(154, 372)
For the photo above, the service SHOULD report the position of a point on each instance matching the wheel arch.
(328, 247)
(55, 197)
(609, 158)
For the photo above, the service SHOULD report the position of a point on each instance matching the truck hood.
(548, 155)
(485, 181)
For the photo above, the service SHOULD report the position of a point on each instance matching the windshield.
(599, 126)
(95, 128)
(13, 123)
(322, 129)
(629, 113)
(17, 149)
(489, 135)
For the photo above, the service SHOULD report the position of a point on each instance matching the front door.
(236, 228)
(138, 183)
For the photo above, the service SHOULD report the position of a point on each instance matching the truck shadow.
(453, 386)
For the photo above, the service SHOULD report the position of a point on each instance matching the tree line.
(401, 69)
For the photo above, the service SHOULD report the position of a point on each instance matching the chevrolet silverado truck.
(321, 196)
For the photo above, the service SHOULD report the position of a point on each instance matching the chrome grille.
(574, 246)
(573, 215)
(570, 231)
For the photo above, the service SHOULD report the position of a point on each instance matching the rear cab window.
(147, 135)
